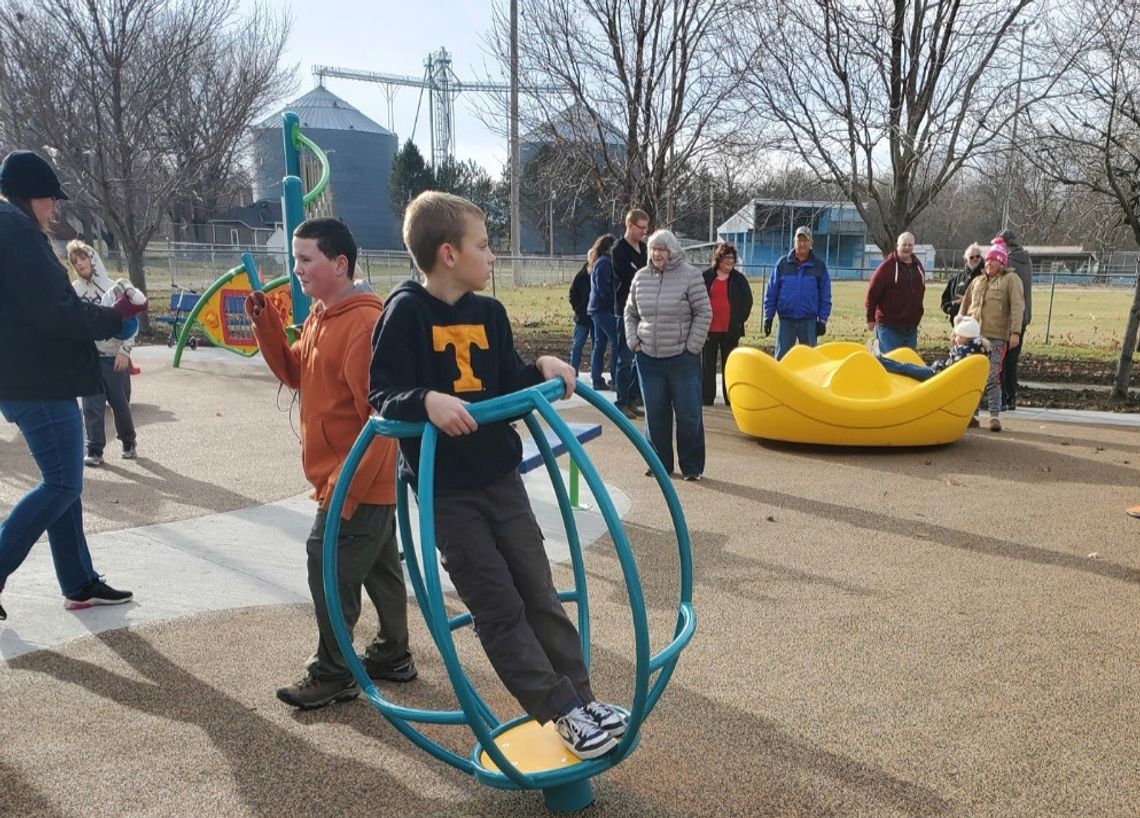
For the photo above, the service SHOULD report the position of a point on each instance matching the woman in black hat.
(47, 360)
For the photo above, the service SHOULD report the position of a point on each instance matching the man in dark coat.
(1022, 264)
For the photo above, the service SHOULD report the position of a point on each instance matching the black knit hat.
(28, 175)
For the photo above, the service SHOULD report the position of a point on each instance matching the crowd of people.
(679, 332)
(425, 354)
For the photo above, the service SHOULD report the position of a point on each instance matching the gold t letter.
(460, 337)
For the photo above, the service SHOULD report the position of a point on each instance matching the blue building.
(572, 207)
(360, 156)
(764, 229)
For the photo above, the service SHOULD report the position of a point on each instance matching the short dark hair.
(333, 239)
(725, 248)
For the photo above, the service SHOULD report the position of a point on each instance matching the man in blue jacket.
(799, 292)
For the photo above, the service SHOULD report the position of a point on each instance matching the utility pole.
(712, 213)
(516, 239)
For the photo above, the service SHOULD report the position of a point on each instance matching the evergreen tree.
(410, 177)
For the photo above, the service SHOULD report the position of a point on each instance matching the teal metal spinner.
(569, 788)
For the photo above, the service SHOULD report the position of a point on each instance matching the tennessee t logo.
(460, 337)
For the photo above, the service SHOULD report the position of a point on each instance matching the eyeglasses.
(970, 258)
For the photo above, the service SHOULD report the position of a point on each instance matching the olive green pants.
(368, 557)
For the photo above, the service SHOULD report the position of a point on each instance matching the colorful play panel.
(838, 394)
(219, 312)
(519, 754)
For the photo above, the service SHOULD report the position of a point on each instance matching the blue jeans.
(625, 381)
(605, 333)
(791, 330)
(53, 431)
(919, 373)
(891, 338)
(582, 333)
(668, 386)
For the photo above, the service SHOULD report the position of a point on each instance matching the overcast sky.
(396, 38)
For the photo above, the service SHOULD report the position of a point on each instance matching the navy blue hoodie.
(47, 332)
(422, 344)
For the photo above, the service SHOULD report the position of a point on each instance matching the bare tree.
(649, 92)
(140, 102)
(889, 99)
(1092, 141)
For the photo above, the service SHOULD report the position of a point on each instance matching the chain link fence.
(172, 268)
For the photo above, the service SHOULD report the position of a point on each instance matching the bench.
(532, 457)
(181, 303)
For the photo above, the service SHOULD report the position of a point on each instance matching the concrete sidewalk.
(237, 559)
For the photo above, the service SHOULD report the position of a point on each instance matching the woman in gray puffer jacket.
(667, 321)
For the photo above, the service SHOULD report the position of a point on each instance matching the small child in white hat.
(965, 340)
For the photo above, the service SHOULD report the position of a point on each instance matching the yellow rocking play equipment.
(839, 394)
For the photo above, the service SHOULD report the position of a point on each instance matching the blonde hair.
(434, 219)
(76, 247)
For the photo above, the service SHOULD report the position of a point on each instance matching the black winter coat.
(47, 332)
(739, 299)
(580, 297)
(956, 289)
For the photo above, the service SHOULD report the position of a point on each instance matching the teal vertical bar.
(290, 123)
(293, 210)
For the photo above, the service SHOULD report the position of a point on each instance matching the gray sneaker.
(310, 693)
(93, 460)
(130, 453)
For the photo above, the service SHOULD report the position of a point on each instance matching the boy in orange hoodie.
(329, 364)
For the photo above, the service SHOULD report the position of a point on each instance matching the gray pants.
(367, 555)
(491, 546)
(117, 392)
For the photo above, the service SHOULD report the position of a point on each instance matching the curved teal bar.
(567, 788)
(251, 271)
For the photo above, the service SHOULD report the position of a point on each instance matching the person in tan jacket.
(996, 300)
(329, 363)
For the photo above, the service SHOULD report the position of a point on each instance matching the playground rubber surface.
(932, 632)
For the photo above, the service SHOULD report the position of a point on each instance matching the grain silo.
(360, 155)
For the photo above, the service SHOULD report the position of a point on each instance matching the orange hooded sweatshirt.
(329, 364)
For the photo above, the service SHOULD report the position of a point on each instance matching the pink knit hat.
(998, 252)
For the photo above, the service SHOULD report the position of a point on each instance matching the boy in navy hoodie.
(438, 347)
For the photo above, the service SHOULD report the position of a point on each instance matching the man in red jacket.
(894, 297)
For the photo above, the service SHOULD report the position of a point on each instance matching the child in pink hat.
(996, 301)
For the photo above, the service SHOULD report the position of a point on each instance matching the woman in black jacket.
(580, 302)
(47, 360)
(731, 299)
(972, 266)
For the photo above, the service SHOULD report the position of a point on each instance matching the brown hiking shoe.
(310, 693)
(995, 425)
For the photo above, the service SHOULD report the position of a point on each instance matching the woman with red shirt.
(731, 299)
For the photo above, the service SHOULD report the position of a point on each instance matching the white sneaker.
(93, 460)
(607, 718)
(582, 736)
